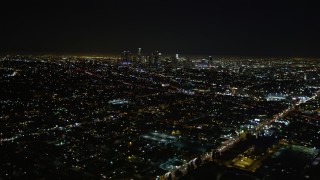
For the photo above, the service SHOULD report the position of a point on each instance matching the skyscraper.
(210, 59)
(126, 56)
(156, 58)
(139, 55)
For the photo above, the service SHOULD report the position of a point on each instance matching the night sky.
(266, 28)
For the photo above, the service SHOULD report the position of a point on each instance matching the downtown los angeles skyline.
(267, 28)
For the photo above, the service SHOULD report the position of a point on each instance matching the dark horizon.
(246, 28)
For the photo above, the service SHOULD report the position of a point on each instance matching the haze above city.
(253, 28)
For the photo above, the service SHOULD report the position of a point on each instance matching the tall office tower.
(305, 77)
(173, 61)
(139, 55)
(210, 59)
(177, 56)
(126, 56)
(149, 59)
(156, 58)
(159, 58)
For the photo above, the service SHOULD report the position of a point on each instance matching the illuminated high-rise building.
(156, 58)
(126, 56)
(139, 55)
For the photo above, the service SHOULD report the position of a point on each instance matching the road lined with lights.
(234, 140)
